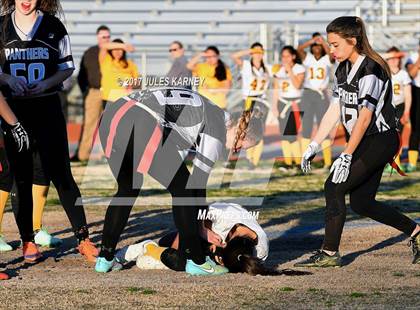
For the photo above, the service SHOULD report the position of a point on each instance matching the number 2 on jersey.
(34, 72)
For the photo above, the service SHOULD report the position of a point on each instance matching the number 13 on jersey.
(30, 73)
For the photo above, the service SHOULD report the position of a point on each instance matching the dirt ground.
(377, 271)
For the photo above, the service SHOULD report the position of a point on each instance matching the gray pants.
(314, 105)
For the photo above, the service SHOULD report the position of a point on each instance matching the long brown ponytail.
(349, 27)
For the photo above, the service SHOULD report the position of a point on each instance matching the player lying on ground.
(230, 234)
(146, 132)
(363, 94)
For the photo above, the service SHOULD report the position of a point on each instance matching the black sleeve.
(82, 78)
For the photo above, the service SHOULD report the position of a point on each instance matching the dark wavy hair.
(349, 27)
(220, 72)
(238, 258)
(52, 7)
(292, 51)
(124, 56)
(316, 34)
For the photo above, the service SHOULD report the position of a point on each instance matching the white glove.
(341, 168)
(21, 137)
(308, 156)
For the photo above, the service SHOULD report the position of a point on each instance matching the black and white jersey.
(35, 56)
(366, 84)
(189, 120)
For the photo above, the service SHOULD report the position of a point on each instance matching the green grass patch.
(142, 290)
(287, 289)
(329, 303)
(315, 290)
(357, 295)
(398, 274)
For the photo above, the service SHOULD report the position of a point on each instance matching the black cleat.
(414, 243)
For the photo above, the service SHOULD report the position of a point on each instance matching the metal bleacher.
(231, 24)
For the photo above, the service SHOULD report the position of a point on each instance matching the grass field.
(377, 272)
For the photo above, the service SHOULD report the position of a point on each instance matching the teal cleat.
(104, 266)
(44, 239)
(409, 168)
(209, 268)
(4, 246)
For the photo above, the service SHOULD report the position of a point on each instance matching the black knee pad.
(173, 259)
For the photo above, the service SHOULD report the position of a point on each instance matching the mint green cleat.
(4, 246)
(103, 265)
(321, 259)
(209, 268)
(44, 239)
(388, 169)
(409, 168)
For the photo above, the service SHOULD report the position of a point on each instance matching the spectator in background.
(413, 68)
(401, 93)
(215, 76)
(179, 68)
(289, 77)
(116, 71)
(89, 80)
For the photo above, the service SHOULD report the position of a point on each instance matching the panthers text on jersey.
(35, 56)
(365, 84)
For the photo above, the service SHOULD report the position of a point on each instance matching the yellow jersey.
(114, 75)
(209, 84)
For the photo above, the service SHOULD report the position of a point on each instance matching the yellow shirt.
(113, 75)
(209, 82)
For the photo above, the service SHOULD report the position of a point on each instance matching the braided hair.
(250, 125)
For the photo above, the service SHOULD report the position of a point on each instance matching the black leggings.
(366, 170)
(167, 167)
(6, 178)
(44, 121)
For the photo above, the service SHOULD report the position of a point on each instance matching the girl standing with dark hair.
(36, 59)
(255, 81)
(288, 81)
(401, 92)
(315, 99)
(363, 96)
(215, 76)
(116, 69)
